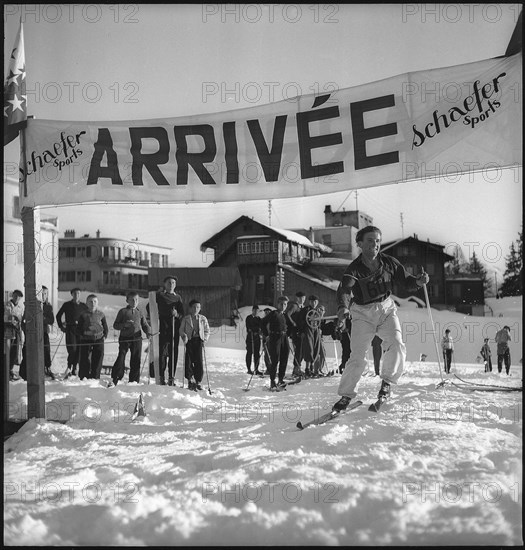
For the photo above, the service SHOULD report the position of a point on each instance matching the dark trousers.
(91, 357)
(47, 357)
(447, 356)
(297, 342)
(504, 358)
(279, 350)
(73, 348)
(377, 352)
(253, 347)
(193, 360)
(134, 345)
(169, 354)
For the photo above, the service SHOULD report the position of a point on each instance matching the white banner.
(424, 124)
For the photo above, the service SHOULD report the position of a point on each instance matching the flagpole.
(36, 404)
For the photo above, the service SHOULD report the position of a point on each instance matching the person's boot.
(384, 390)
(342, 404)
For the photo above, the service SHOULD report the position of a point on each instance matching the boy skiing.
(370, 279)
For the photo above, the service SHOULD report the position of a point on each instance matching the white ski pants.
(378, 318)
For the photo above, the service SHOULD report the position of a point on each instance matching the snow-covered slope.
(437, 467)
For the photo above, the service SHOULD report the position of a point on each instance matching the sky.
(133, 61)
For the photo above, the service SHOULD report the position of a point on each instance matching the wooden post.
(34, 331)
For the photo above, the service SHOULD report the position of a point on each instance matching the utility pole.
(402, 226)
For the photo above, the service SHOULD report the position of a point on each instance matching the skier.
(370, 279)
(194, 331)
(292, 313)
(253, 340)
(171, 312)
(129, 321)
(13, 315)
(278, 345)
(447, 345)
(72, 311)
(502, 340)
(486, 353)
(93, 330)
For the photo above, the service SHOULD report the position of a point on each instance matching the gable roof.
(286, 234)
(437, 247)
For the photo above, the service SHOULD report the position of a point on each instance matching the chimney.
(69, 233)
(98, 233)
(328, 209)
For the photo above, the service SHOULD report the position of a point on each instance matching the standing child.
(92, 329)
(278, 345)
(194, 331)
(253, 340)
(129, 321)
(265, 335)
(486, 353)
(447, 345)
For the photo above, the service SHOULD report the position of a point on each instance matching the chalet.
(465, 294)
(414, 254)
(216, 287)
(257, 250)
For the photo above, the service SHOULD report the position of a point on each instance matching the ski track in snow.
(434, 467)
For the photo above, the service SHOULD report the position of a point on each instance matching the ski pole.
(143, 363)
(173, 366)
(206, 367)
(427, 302)
(249, 382)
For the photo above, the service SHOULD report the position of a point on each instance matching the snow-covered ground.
(437, 467)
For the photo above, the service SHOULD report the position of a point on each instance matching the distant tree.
(512, 278)
(475, 267)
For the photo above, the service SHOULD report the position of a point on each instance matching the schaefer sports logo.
(473, 111)
(63, 153)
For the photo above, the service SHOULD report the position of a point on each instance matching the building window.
(267, 246)
(260, 280)
(243, 248)
(455, 290)
(327, 239)
(403, 251)
(66, 276)
(275, 247)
